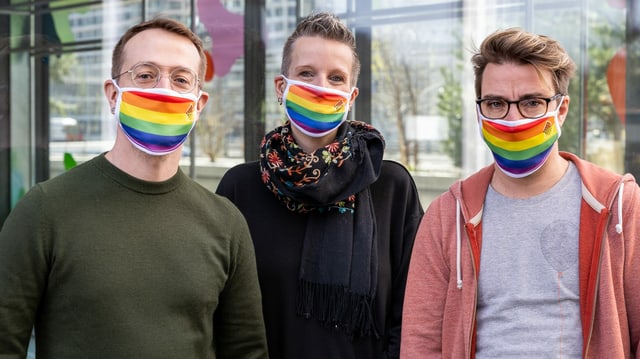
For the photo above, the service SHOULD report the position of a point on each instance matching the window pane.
(21, 176)
(81, 123)
(416, 81)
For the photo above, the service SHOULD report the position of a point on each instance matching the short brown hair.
(327, 26)
(166, 24)
(515, 45)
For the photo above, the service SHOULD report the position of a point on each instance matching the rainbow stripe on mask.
(520, 148)
(156, 121)
(314, 110)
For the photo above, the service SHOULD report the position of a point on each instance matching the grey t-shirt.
(528, 298)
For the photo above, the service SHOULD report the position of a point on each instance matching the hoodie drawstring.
(619, 225)
(458, 245)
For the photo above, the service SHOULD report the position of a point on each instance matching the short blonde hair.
(327, 26)
(166, 24)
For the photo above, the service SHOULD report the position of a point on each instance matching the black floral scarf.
(338, 268)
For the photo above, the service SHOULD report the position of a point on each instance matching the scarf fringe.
(335, 307)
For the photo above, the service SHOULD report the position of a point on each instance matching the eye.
(145, 74)
(183, 80)
(495, 104)
(337, 78)
(532, 103)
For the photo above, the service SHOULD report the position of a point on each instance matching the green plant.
(69, 161)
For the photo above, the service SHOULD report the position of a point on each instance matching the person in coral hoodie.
(536, 255)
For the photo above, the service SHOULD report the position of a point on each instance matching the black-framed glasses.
(146, 75)
(498, 108)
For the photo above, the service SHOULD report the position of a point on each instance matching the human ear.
(563, 111)
(354, 94)
(280, 85)
(202, 100)
(111, 93)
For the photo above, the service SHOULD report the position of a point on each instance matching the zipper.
(471, 233)
(607, 219)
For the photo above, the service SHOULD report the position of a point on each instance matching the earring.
(280, 101)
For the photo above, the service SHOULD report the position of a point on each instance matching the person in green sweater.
(125, 256)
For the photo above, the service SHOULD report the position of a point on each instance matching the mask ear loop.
(116, 109)
(557, 116)
(197, 101)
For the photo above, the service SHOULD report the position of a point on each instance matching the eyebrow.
(523, 97)
(161, 67)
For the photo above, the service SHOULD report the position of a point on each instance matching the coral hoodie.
(440, 299)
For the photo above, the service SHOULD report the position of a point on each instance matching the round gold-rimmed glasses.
(147, 75)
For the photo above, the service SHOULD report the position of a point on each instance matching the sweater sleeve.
(426, 290)
(631, 233)
(23, 272)
(238, 320)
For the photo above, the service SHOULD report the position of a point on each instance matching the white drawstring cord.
(458, 245)
(619, 225)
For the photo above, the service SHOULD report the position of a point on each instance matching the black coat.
(278, 236)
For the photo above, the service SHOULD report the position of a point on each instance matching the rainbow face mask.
(520, 147)
(156, 120)
(315, 110)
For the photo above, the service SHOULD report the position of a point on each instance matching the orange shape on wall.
(208, 76)
(616, 79)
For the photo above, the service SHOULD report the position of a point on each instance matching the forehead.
(162, 48)
(512, 80)
(318, 52)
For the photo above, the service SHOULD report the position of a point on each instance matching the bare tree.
(215, 121)
(399, 85)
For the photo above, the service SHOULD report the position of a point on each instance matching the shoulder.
(242, 168)
(65, 186)
(396, 187)
(199, 194)
(394, 180)
(396, 173)
(242, 172)
(212, 208)
(603, 184)
(241, 182)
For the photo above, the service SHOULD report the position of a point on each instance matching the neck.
(536, 183)
(141, 165)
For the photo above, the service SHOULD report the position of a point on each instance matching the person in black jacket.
(333, 223)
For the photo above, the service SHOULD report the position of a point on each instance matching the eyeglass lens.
(148, 75)
(499, 108)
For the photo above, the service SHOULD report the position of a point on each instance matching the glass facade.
(416, 83)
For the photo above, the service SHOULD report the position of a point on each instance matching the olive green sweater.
(109, 266)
